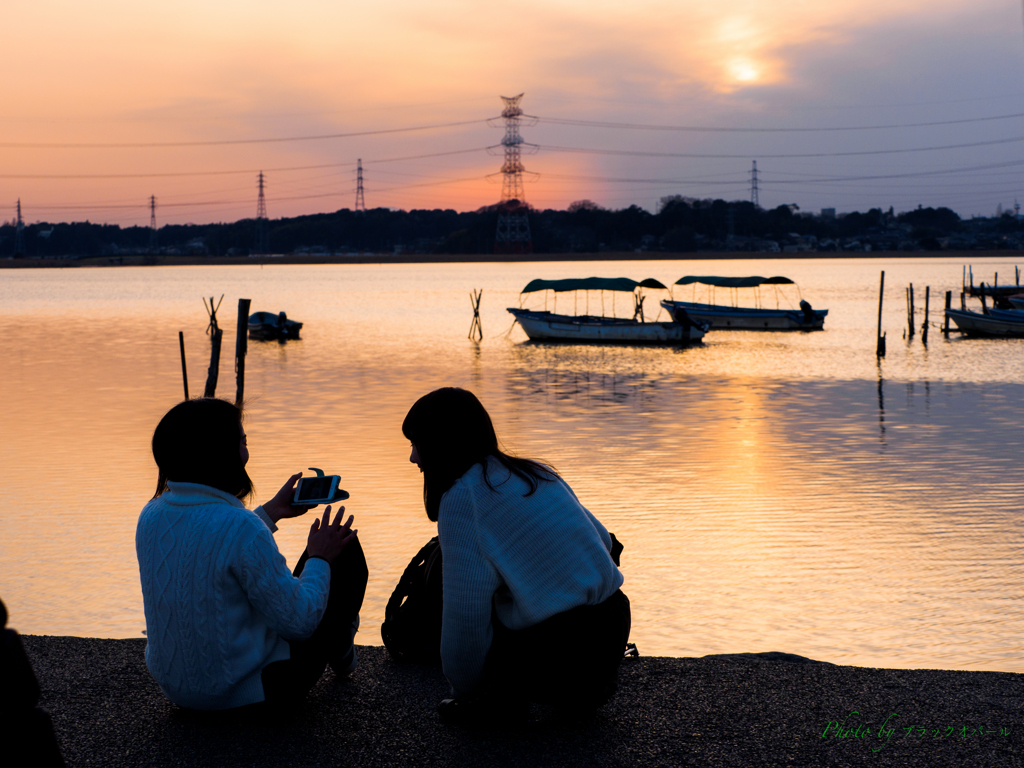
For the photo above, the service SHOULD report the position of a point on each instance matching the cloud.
(113, 70)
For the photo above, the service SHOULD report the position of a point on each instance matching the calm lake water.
(774, 491)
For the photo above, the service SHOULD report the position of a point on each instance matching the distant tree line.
(680, 225)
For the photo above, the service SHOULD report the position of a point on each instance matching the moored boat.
(994, 322)
(755, 318)
(544, 325)
(269, 326)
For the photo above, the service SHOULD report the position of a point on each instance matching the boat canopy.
(734, 282)
(589, 284)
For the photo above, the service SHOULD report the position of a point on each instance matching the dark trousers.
(570, 660)
(292, 678)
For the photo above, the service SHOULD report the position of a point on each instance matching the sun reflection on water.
(773, 492)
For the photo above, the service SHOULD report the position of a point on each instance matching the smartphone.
(322, 489)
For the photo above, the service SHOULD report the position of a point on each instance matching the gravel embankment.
(742, 710)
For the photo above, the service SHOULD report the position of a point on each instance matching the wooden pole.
(212, 312)
(924, 326)
(910, 311)
(241, 334)
(945, 323)
(880, 341)
(213, 371)
(184, 371)
(984, 307)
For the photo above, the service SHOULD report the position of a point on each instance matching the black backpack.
(412, 619)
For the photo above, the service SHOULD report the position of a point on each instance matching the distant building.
(828, 213)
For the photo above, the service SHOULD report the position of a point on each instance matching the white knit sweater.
(220, 601)
(531, 557)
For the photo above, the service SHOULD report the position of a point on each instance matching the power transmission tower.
(513, 233)
(753, 186)
(261, 220)
(19, 234)
(152, 223)
(360, 201)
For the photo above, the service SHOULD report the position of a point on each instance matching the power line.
(225, 142)
(241, 202)
(713, 156)
(64, 176)
(728, 129)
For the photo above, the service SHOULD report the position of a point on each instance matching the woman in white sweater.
(532, 605)
(227, 623)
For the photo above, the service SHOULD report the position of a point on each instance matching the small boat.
(544, 325)
(994, 322)
(1016, 300)
(756, 318)
(267, 326)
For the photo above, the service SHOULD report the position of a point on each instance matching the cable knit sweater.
(531, 557)
(220, 601)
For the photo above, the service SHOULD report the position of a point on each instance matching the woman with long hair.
(532, 605)
(227, 623)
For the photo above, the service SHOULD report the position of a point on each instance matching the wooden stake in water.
(945, 323)
(880, 340)
(211, 310)
(476, 329)
(241, 346)
(213, 372)
(924, 325)
(184, 371)
(910, 311)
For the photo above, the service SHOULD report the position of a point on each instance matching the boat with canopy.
(730, 316)
(989, 322)
(550, 325)
(993, 322)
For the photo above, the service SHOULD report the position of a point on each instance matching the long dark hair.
(452, 431)
(197, 441)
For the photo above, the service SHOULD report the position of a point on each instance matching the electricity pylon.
(261, 220)
(360, 200)
(513, 232)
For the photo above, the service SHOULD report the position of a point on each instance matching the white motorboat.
(994, 322)
(746, 318)
(545, 325)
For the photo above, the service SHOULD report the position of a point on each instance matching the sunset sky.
(134, 76)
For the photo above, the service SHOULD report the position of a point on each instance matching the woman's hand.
(326, 539)
(281, 505)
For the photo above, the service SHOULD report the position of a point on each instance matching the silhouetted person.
(26, 732)
(532, 605)
(226, 623)
(808, 311)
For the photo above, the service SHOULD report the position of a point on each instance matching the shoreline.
(756, 709)
(412, 258)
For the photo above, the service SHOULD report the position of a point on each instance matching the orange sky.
(117, 72)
